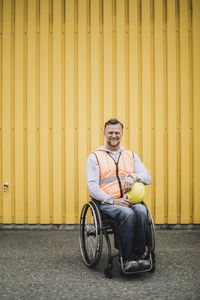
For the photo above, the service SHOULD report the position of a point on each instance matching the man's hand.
(122, 202)
(128, 182)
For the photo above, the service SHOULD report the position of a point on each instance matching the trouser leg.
(127, 220)
(141, 228)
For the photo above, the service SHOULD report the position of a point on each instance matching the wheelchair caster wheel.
(152, 269)
(108, 271)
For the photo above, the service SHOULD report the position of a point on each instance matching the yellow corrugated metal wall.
(66, 66)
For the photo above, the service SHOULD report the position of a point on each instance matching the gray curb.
(57, 227)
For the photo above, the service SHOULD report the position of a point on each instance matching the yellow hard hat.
(137, 193)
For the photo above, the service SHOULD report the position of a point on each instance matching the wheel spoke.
(91, 247)
(90, 237)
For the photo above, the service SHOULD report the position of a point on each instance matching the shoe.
(144, 264)
(131, 265)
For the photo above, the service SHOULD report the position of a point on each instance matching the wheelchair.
(94, 225)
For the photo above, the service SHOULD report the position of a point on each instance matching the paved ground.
(46, 264)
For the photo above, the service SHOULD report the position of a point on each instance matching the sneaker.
(144, 264)
(131, 265)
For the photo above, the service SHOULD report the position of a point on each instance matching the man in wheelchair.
(111, 172)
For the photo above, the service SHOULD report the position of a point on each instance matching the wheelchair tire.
(151, 234)
(91, 235)
(150, 240)
(108, 271)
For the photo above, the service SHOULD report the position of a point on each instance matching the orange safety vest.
(112, 174)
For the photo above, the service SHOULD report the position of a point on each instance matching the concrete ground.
(46, 264)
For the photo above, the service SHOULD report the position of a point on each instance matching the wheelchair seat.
(94, 225)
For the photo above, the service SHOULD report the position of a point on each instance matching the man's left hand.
(128, 182)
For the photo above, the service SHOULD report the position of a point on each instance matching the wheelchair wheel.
(151, 240)
(91, 236)
(150, 233)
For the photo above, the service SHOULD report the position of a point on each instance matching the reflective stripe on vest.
(112, 174)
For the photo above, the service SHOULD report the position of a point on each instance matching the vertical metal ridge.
(196, 111)
(1, 164)
(37, 16)
(127, 78)
(63, 177)
(19, 113)
(89, 71)
(101, 16)
(178, 105)
(76, 19)
(139, 49)
(1, 94)
(63, 4)
(89, 16)
(153, 158)
(89, 77)
(101, 69)
(50, 16)
(165, 64)
(126, 15)
(38, 217)
(25, 16)
(12, 99)
(13, 6)
(89, 33)
(1, 17)
(25, 73)
(114, 61)
(63, 108)
(191, 100)
(50, 106)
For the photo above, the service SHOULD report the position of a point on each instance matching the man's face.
(113, 135)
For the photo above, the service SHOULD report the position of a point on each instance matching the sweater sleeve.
(92, 172)
(141, 174)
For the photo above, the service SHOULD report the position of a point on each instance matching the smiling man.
(111, 172)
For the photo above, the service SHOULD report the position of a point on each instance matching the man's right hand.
(122, 202)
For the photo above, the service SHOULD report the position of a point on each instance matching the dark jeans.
(132, 227)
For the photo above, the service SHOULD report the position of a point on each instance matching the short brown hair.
(113, 122)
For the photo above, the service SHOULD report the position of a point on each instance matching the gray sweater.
(93, 174)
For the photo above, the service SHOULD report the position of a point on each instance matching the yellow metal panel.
(108, 111)
(65, 72)
(133, 75)
(196, 120)
(94, 78)
(120, 63)
(1, 175)
(31, 113)
(114, 75)
(6, 112)
(45, 184)
(159, 113)
(70, 113)
(101, 69)
(146, 92)
(172, 115)
(1, 73)
(1, 16)
(57, 113)
(121, 69)
(82, 103)
(185, 108)
(19, 113)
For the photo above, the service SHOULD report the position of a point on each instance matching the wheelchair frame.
(94, 225)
